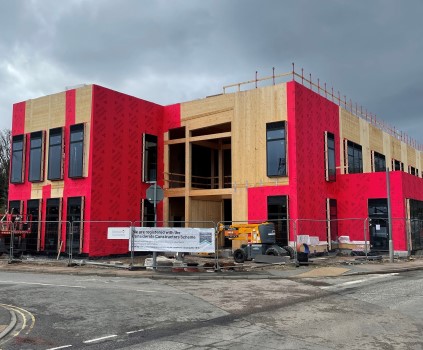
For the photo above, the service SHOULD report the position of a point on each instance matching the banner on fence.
(173, 239)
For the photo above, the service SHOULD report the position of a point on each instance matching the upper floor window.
(413, 171)
(76, 151)
(276, 149)
(149, 158)
(55, 154)
(379, 162)
(397, 165)
(330, 165)
(17, 163)
(36, 156)
(354, 158)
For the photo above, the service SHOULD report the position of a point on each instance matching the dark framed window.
(17, 162)
(149, 158)
(52, 225)
(397, 165)
(36, 156)
(277, 212)
(330, 157)
(276, 149)
(354, 157)
(379, 162)
(147, 213)
(75, 215)
(33, 209)
(332, 216)
(76, 151)
(55, 154)
(412, 170)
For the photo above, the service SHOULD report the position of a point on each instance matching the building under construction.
(280, 148)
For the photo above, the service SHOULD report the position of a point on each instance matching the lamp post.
(388, 196)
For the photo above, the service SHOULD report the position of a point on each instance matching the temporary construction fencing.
(325, 235)
(318, 236)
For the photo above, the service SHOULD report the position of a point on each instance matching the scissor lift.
(13, 231)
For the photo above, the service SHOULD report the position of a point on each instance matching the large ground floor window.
(52, 229)
(378, 224)
(416, 224)
(277, 212)
(33, 209)
(75, 214)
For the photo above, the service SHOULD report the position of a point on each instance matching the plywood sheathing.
(45, 112)
(49, 112)
(365, 145)
(411, 156)
(376, 139)
(204, 212)
(371, 138)
(248, 112)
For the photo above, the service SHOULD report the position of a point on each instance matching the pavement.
(317, 268)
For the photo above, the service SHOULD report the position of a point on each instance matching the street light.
(388, 195)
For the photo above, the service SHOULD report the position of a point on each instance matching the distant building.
(280, 152)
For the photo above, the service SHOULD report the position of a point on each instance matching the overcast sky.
(178, 50)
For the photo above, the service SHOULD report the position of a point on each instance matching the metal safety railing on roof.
(337, 98)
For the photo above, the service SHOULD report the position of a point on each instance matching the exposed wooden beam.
(211, 136)
(174, 142)
(216, 192)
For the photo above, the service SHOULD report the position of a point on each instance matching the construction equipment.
(13, 231)
(250, 240)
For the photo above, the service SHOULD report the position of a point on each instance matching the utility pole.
(388, 196)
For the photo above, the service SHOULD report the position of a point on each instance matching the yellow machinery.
(250, 240)
(241, 234)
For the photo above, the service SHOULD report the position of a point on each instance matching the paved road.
(73, 312)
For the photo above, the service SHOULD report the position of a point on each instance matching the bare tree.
(5, 137)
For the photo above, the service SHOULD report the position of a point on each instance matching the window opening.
(36, 157)
(53, 216)
(276, 149)
(379, 162)
(147, 213)
(55, 153)
(354, 158)
(76, 150)
(277, 212)
(330, 156)
(397, 165)
(75, 216)
(149, 158)
(18, 148)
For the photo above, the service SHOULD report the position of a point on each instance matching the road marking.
(372, 277)
(44, 284)
(351, 282)
(132, 332)
(23, 314)
(101, 338)
(60, 347)
(158, 291)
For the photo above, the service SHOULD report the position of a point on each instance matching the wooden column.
(188, 167)
(220, 162)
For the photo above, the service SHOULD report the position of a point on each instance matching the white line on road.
(132, 332)
(158, 291)
(60, 347)
(44, 284)
(348, 283)
(101, 338)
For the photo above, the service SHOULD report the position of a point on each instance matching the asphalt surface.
(11, 316)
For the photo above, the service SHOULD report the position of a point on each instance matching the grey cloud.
(170, 51)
